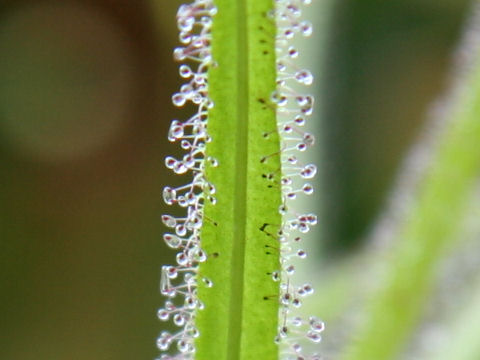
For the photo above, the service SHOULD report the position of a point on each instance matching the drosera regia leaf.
(433, 221)
(240, 323)
(232, 292)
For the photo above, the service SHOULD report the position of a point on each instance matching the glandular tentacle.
(179, 282)
(293, 109)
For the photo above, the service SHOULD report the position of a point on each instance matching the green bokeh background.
(85, 92)
(387, 62)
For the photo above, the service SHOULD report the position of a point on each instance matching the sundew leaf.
(241, 154)
(432, 223)
(463, 343)
(240, 318)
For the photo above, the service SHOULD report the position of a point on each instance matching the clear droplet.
(164, 341)
(170, 162)
(316, 324)
(179, 99)
(300, 147)
(178, 320)
(190, 302)
(179, 54)
(286, 181)
(297, 302)
(184, 37)
(296, 321)
(308, 189)
(314, 336)
(179, 168)
(171, 272)
(306, 28)
(169, 221)
(181, 230)
(163, 315)
(312, 219)
(182, 259)
(292, 159)
(304, 77)
(185, 71)
(287, 129)
(169, 195)
(285, 299)
(308, 139)
(297, 348)
(185, 23)
(292, 52)
(184, 346)
(302, 254)
(290, 269)
(308, 289)
(299, 120)
(303, 228)
(309, 171)
(175, 132)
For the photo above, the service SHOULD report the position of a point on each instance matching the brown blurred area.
(85, 92)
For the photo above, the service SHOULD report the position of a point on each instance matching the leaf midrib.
(237, 323)
(240, 199)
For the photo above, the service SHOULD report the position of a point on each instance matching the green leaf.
(463, 343)
(241, 309)
(433, 221)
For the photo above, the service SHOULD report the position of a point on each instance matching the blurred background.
(85, 88)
